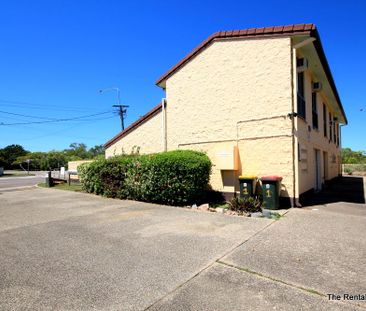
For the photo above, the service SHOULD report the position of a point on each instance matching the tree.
(2, 162)
(44, 160)
(97, 150)
(353, 157)
(77, 151)
(11, 153)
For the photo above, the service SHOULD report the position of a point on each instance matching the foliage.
(174, 178)
(78, 151)
(10, 153)
(105, 177)
(2, 162)
(42, 160)
(348, 171)
(353, 157)
(358, 169)
(245, 205)
(96, 151)
(14, 155)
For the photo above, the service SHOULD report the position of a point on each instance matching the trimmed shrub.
(175, 177)
(104, 177)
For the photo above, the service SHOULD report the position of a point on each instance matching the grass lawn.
(64, 186)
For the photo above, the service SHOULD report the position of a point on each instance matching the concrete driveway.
(73, 251)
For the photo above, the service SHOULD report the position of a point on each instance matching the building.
(258, 101)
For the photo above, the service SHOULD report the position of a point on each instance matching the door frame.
(318, 170)
(325, 166)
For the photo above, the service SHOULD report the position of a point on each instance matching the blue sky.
(56, 55)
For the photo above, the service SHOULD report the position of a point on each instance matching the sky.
(57, 55)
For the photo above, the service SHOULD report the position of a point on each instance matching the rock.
(204, 207)
(194, 206)
(257, 214)
(212, 209)
(220, 210)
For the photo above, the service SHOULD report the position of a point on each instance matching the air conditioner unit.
(317, 86)
(302, 64)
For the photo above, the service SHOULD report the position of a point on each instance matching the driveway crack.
(261, 275)
(209, 265)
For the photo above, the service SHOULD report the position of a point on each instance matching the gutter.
(163, 118)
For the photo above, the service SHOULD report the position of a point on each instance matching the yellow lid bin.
(248, 177)
(247, 185)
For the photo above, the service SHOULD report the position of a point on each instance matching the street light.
(112, 89)
(122, 108)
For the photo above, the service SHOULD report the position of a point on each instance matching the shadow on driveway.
(341, 189)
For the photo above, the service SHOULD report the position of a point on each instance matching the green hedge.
(175, 177)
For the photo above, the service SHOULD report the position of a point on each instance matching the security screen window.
(314, 110)
(334, 131)
(330, 127)
(325, 120)
(301, 95)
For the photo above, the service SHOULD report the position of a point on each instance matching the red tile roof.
(135, 124)
(248, 33)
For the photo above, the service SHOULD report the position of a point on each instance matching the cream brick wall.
(147, 136)
(213, 100)
(314, 139)
(226, 96)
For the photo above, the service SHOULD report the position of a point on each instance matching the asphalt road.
(72, 251)
(12, 183)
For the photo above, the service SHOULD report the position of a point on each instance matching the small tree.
(10, 153)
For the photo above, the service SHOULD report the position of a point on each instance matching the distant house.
(258, 101)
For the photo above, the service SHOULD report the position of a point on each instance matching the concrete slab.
(224, 288)
(71, 251)
(321, 248)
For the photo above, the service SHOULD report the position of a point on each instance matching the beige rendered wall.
(147, 136)
(216, 100)
(314, 139)
(73, 165)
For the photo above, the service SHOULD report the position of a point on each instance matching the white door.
(318, 174)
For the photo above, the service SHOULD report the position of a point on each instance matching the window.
(325, 120)
(314, 105)
(338, 129)
(334, 131)
(301, 95)
(330, 127)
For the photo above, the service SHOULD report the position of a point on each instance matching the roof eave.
(134, 125)
(319, 48)
(276, 31)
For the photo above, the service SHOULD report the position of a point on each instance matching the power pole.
(122, 113)
(122, 108)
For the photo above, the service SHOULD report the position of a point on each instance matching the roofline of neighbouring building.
(154, 111)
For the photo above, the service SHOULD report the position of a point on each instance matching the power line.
(67, 129)
(57, 120)
(40, 106)
(26, 116)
